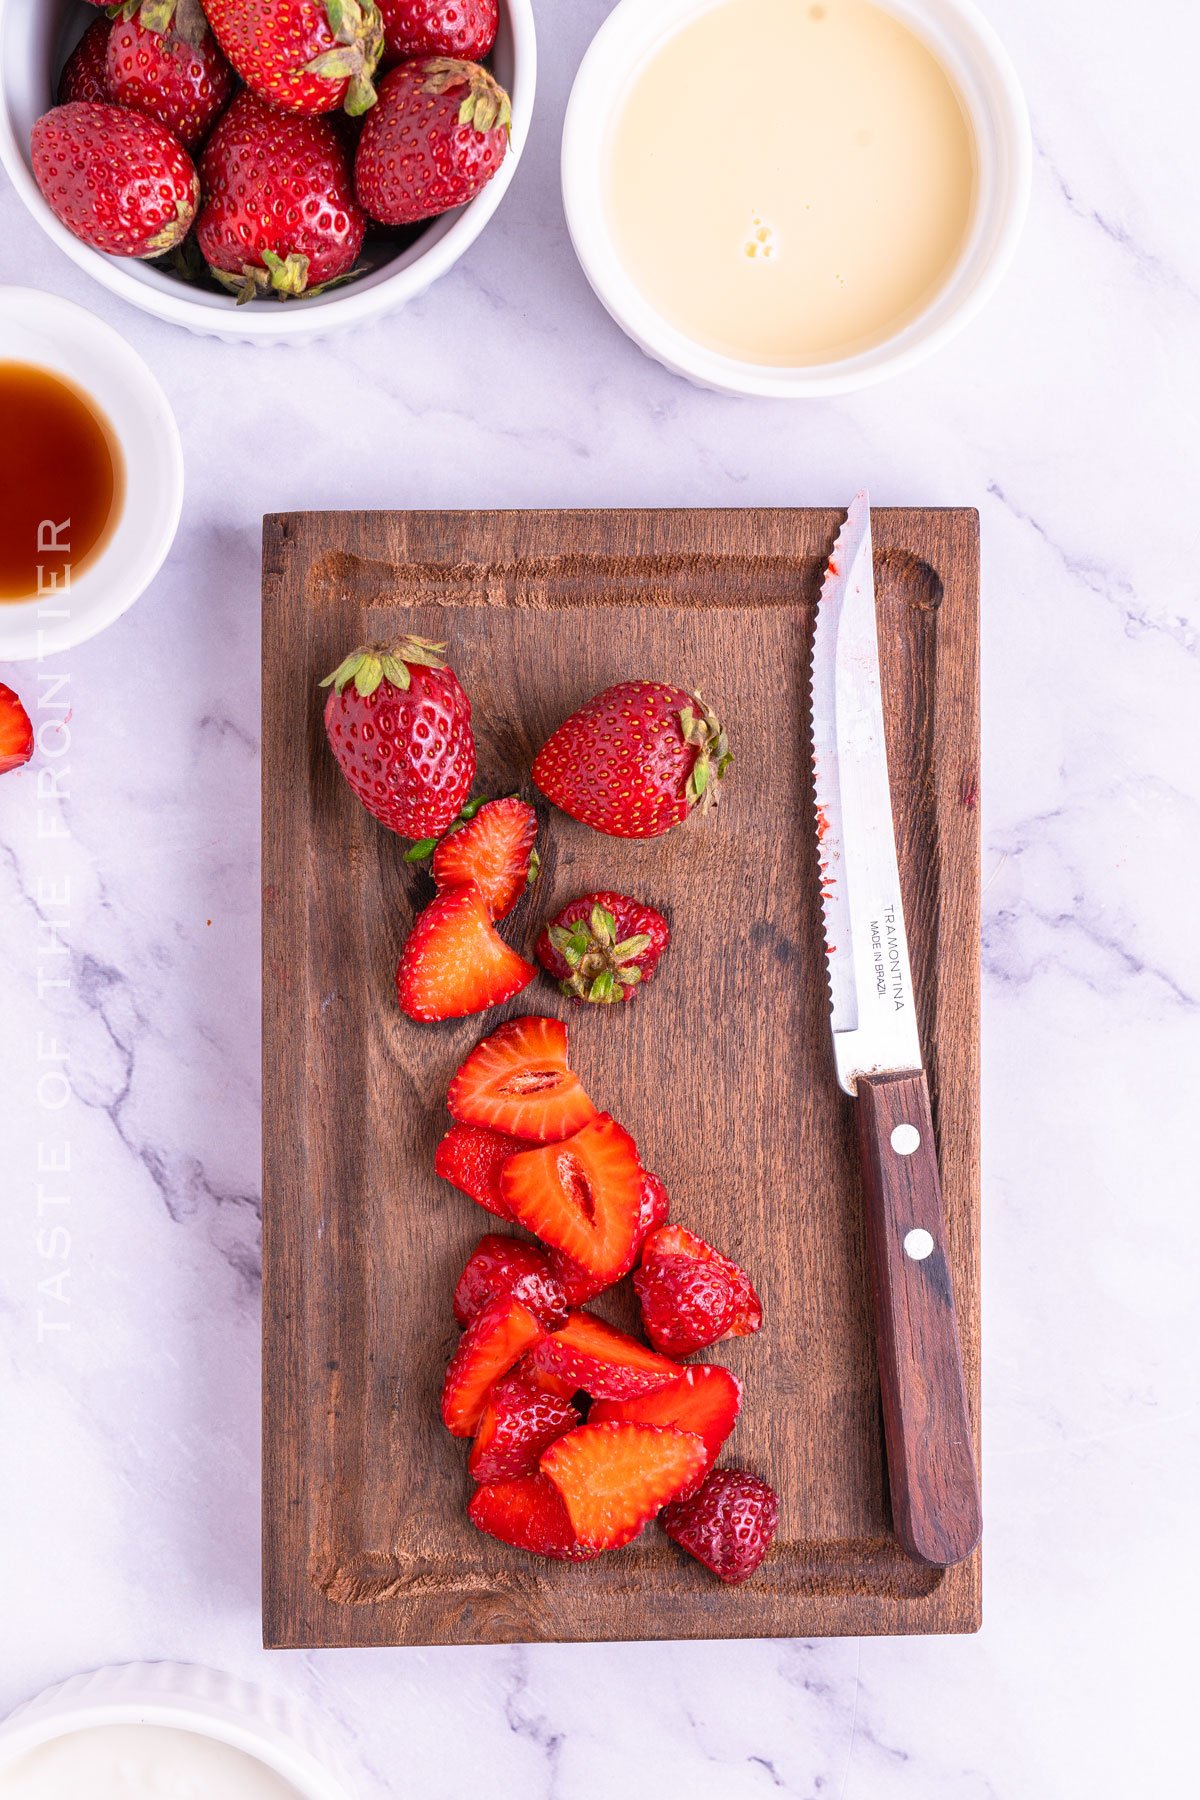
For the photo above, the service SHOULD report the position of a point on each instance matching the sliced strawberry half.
(455, 961)
(728, 1525)
(495, 1339)
(520, 1420)
(706, 1400)
(517, 1081)
(691, 1295)
(16, 732)
(581, 1196)
(615, 1478)
(530, 1515)
(495, 851)
(504, 1268)
(579, 1284)
(471, 1157)
(604, 1362)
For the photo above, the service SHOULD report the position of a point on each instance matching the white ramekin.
(965, 44)
(265, 1726)
(34, 35)
(56, 335)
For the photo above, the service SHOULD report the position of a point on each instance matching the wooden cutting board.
(722, 1070)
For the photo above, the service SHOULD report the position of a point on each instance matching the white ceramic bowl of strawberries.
(35, 42)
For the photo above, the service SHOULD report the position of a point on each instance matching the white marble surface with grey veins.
(1069, 416)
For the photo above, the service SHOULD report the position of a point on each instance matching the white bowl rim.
(589, 115)
(358, 302)
(105, 589)
(179, 1697)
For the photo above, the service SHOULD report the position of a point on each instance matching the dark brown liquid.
(61, 479)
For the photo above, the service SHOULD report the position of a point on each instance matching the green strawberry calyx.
(425, 847)
(374, 663)
(485, 105)
(357, 28)
(166, 18)
(701, 727)
(601, 967)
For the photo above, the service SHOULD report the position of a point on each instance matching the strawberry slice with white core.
(517, 1081)
(615, 1478)
(578, 1284)
(604, 1362)
(494, 1340)
(581, 1196)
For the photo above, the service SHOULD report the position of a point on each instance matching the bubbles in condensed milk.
(760, 240)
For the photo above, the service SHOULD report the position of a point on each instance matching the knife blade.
(877, 1056)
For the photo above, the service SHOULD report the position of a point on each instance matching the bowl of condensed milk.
(794, 198)
(163, 1731)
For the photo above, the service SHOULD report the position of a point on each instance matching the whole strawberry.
(434, 139)
(465, 28)
(181, 84)
(399, 724)
(304, 55)
(728, 1525)
(116, 179)
(85, 72)
(635, 760)
(279, 213)
(603, 947)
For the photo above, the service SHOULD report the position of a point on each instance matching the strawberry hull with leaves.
(602, 947)
(303, 55)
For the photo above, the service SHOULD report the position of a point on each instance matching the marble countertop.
(1068, 414)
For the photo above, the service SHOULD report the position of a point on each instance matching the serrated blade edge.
(822, 671)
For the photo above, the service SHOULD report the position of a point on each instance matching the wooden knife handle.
(927, 1424)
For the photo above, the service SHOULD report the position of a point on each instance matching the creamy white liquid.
(790, 182)
(140, 1762)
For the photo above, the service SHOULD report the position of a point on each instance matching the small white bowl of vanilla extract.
(91, 470)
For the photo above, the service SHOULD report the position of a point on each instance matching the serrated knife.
(877, 1051)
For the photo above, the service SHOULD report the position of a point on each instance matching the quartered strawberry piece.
(504, 1268)
(455, 961)
(16, 732)
(530, 1515)
(517, 1081)
(603, 1361)
(706, 1400)
(691, 1295)
(728, 1525)
(494, 849)
(520, 1420)
(495, 1339)
(579, 1284)
(582, 1196)
(615, 1478)
(471, 1157)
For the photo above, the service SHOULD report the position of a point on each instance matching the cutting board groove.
(722, 1070)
